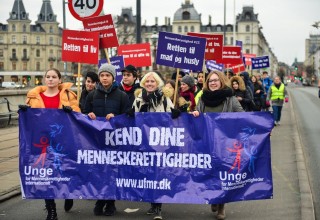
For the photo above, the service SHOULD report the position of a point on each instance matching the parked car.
(11, 85)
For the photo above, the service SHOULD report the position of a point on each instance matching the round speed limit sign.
(81, 9)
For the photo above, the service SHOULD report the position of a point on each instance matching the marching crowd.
(102, 96)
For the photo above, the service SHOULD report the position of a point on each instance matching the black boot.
(52, 212)
(110, 208)
(68, 203)
(98, 208)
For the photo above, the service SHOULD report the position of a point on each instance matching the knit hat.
(106, 67)
(189, 80)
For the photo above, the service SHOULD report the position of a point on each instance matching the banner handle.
(107, 54)
(176, 88)
(78, 87)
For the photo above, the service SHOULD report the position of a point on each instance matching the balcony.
(14, 58)
(51, 59)
(25, 58)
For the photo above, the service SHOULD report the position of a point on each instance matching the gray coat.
(231, 104)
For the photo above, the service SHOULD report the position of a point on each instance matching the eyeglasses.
(214, 80)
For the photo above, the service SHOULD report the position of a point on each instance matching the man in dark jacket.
(106, 101)
(91, 79)
(128, 84)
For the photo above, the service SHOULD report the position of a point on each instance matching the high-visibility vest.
(277, 93)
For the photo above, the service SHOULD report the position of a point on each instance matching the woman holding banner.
(53, 95)
(151, 99)
(217, 97)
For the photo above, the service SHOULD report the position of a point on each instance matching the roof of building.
(46, 13)
(18, 11)
(186, 12)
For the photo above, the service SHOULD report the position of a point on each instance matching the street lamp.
(154, 39)
(252, 27)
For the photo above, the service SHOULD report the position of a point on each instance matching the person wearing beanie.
(128, 83)
(186, 91)
(106, 101)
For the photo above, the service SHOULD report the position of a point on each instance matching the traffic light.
(295, 68)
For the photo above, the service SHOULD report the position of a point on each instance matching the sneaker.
(98, 209)
(110, 210)
(278, 122)
(214, 207)
(275, 123)
(158, 215)
(151, 211)
(68, 203)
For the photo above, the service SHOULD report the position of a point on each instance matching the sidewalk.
(292, 196)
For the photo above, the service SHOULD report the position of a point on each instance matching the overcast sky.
(286, 23)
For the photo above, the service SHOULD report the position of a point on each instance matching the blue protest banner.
(180, 51)
(118, 63)
(260, 62)
(214, 158)
(212, 65)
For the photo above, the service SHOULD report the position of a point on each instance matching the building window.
(25, 53)
(231, 41)
(186, 29)
(24, 39)
(248, 28)
(219, 29)
(38, 40)
(13, 39)
(13, 27)
(14, 53)
(24, 28)
(247, 41)
(25, 66)
(1, 53)
(226, 41)
(147, 40)
(38, 66)
(1, 66)
(14, 66)
(37, 53)
(1, 40)
(51, 53)
(51, 29)
(51, 65)
(51, 40)
(179, 29)
(247, 51)
(192, 28)
(229, 28)
(185, 15)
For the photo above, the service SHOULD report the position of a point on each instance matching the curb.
(15, 191)
(307, 208)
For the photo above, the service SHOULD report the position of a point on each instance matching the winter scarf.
(151, 100)
(189, 96)
(215, 98)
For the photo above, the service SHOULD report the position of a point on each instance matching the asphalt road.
(307, 107)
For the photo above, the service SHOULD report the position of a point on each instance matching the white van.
(10, 85)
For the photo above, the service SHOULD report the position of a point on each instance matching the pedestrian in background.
(266, 82)
(217, 97)
(55, 95)
(278, 95)
(258, 92)
(187, 90)
(128, 83)
(91, 79)
(151, 99)
(106, 101)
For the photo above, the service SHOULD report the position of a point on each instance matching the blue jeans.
(277, 112)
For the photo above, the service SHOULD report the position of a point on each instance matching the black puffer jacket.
(102, 102)
(130, 93)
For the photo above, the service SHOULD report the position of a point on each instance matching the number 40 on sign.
(82, 9)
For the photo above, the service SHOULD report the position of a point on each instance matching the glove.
(130, 112)
(175, 113)
(23, 107)
(67, 109)
(268, 103)
(286, 99)
(184, 108)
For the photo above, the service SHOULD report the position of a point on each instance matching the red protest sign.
(237, 68)
(231, 55)
(103, 25)
(136, 54)
(80, 46)
(213, 47)
(247, 58)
